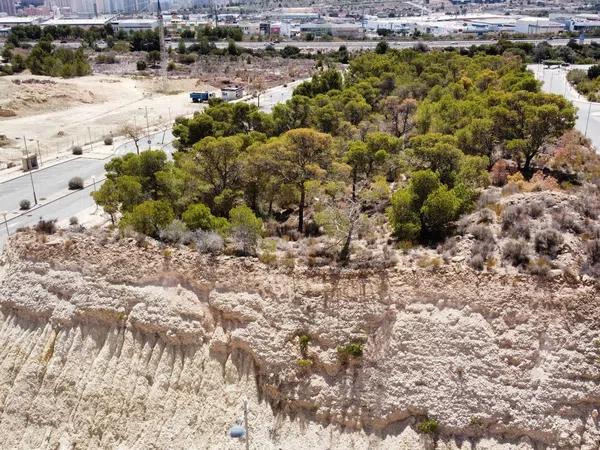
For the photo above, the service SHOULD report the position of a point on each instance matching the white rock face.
(107, 345)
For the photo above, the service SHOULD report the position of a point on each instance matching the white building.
(128, 25)
(537, 25)
(11, 21)
(232, 93)
(82, 23)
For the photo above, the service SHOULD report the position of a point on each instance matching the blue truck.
(199, 97)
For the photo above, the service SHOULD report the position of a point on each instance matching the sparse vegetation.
(76, 183)
(46, 226)
(353, 349)
(548, 242)
(305, 363)
(517, 252)
(428, 426)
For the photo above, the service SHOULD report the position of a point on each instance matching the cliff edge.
(108, 344)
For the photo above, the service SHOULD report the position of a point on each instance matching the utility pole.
(94, 181)
(6, 223)
(90, 135)
(587, 121)
(147, 128)
(39, 151)
(29, 170)
(246, 424)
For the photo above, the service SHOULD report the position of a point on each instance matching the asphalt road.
(369, 45)
(55, 201)
(588, 113)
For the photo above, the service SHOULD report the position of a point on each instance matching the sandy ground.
(58, 113)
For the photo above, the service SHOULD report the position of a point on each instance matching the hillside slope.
(106, 344)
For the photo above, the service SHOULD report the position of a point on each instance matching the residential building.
(8, 7)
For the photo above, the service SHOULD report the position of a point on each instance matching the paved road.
(55, 199)
(51, 182)
(588, 113)
(369, 45)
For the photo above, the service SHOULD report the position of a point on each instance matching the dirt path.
(59, 113)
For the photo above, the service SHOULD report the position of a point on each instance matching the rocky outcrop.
(107, 344)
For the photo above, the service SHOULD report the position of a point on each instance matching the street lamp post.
(147, 128)
(6, 223)
(90, 135)
(241, 432)
(39, 151)
(94, 181)
(29, 170)
(587, 121)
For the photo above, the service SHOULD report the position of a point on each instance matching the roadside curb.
(49, 202)
(41, 169)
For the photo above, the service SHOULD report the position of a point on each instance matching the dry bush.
(483, 248)
(517, 252)
(488, 197)
(592, 251)
(535, 210)
(477, 262)
(541, 182)
(548, 242)
(427, 261)
(486, 215)
(591, 266)
(589, 205)
(176, 233)
(515, 223)
(499, 173)
(448, 247)
(46, 226)
(76, 183)
(510, 189)
(510, 215)
(567, 221)
(539, 266)
(208, 242)
(482, 233)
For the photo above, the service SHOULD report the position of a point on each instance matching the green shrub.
(149, 217)
(198, 216)
(440, 208)
(141, 65)
(354, 349)
(24, 204)
(305, 363)
(303, 341)
(245, 229)
(404, 220)
(77, 150)
(428, 426)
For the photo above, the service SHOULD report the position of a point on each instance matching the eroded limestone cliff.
(105, 344)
